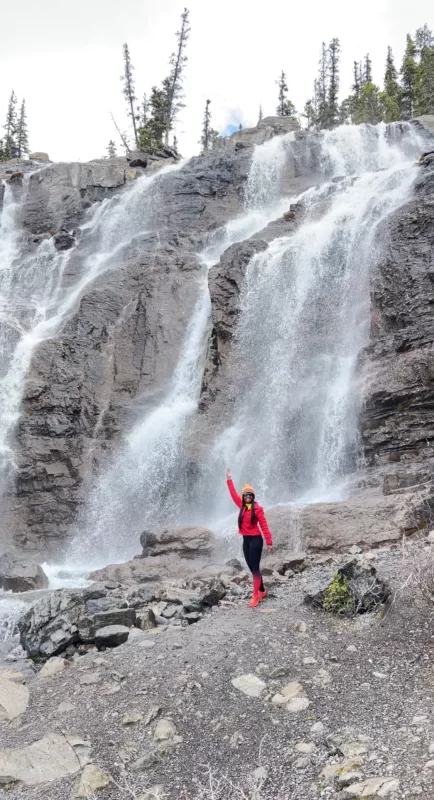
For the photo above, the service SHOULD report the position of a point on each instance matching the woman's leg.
(255, 561)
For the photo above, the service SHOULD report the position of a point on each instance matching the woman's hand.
(269, 548)
(228, 474)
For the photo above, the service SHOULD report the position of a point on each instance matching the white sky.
(65, 58)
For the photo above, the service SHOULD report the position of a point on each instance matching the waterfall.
(304, 319)
(137, 488)
(39, 289)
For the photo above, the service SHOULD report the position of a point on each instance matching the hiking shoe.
(254, 601)
(262, 595)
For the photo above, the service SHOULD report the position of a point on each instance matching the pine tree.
(283, 91)
(178, 61)
(151, 134)
(369, 108)
(424, 38)
(345, 111)
(209, 135)
(367, 69)
(129, 90)
(144, 112)
(409, 78)
(111, 149)
(309, 114)
(321, 87)
(424, 102)
(333, 83)
(391, 85)
(261, 113)
(22, 136)
(10, 127)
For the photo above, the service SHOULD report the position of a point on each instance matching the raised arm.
(233, 492)
(263, 524)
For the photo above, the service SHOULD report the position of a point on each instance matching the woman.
(251, 521)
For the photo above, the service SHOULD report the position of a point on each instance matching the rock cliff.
(114, 353)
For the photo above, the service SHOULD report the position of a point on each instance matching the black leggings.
(252, 549)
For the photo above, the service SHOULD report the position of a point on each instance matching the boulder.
(48, 759)
(186, 541)
(111, 636)
(138, 159)
(354, 589)
(367, 519)
(51, 624)
(21, 574)
(282, 561)
(63, 240)
(147, 570)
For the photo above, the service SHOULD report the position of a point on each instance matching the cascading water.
(133, 492)
(40, 289)
(304, 319)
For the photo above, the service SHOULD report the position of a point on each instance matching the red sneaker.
(262, 595)
(254, 601)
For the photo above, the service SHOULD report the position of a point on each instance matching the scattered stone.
(14, 699)
(47, 759)
(249, 684)
(305, 747)
(372, 787)
(111, 636)
(317, 729)
(146, 762)
(135, 635)
(165, 730)
(292, 697)
(153, 793)
(259, 776)
(52, 667)
(236, 739)
(309, 660)
(347, 778)
(300, 627)
(132, 718)
(152, 714)
(65, 708)
(302, 762)
(351, 649)
(90, 680)
(92, 779)
(322, 677)
(145, 619)
(429, 765)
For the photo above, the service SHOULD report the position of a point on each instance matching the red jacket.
(247, 529)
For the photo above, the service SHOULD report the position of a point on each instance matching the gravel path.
(370, 684)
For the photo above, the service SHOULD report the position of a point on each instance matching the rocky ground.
(281, 701)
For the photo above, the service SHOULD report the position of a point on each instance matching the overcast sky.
(65, 58)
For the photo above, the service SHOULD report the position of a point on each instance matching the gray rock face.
(184, 541)
(20, 574)
(397, 423)
(123, 338)
(265, 130)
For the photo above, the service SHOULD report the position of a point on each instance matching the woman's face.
(248, 497)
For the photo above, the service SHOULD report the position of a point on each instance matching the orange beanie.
(248, 488)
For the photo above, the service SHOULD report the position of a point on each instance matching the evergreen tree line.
(406, 93)
(153, 117)
(15, 141)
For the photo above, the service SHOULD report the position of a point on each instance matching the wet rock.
(138, 159)
(111, 636)
(283, 561)
(19, 574)
(354, 589)
(51, 625)
(184, 541)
